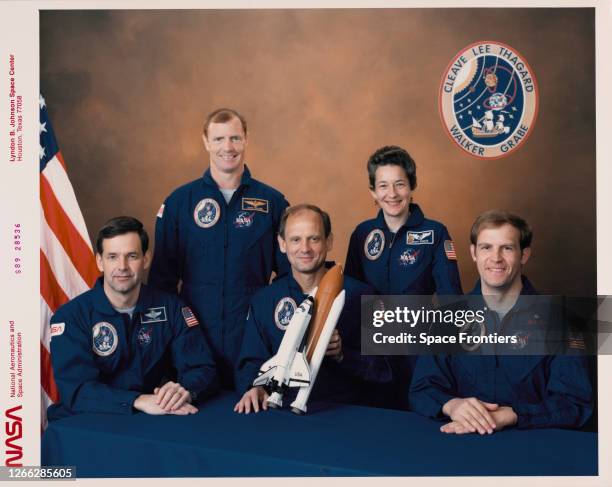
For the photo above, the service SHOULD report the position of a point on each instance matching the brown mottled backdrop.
(127, 92)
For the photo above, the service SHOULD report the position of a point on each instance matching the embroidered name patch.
(420, 238)
(255, 204)
(154, 315)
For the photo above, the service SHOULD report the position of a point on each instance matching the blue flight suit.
(419, 259)
(103, 360)
(222, 253)
(545, 391)
(271, 310)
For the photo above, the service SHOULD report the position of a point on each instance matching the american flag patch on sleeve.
(449, 250)
(189, 317)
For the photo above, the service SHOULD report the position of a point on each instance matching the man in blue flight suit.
(215, 239)
(113, 347)
(305, 236)
(486, 393)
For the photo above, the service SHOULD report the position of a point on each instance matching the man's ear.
(147, 259)
(525, 255)
(205, 142)
(473, 252)
(282, 244)
(330, 242)
(99, 262)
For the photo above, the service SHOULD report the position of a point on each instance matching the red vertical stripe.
(79, 252)
(46, 374)
(50, 289)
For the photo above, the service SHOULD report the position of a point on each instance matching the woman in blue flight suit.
(400, 251)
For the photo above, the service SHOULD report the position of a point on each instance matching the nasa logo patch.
(244, 219)
(144, 335)
(374, 244)
(104, 339)
(207, 213)
(409, 257)
(522, 340)
(488, 100)
(284, 312)
(57, 329)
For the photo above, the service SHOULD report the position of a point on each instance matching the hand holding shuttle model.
(303, 347)
(305, 343)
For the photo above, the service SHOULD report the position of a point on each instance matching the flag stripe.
(79, 252)
(50, 290)
(65, 273)
(45, 329)
(55, 173)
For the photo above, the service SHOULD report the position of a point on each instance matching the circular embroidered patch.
(104, 338)
(284, 312)
(207, 213)
(488, 100)
(374, 244)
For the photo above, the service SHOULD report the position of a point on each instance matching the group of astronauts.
(209, 317)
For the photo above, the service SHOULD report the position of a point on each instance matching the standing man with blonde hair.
(215, 239)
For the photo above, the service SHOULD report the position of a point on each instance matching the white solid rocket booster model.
(299, 357)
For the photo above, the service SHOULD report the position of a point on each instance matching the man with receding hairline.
(305, 236)
(215, 239)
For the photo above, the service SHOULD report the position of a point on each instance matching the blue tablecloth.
(336, 440)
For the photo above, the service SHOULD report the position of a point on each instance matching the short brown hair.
(292, 210)
(223, 115)
(121, 225)
(497, 218)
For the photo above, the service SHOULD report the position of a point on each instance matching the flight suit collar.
(414, 220)
(244, 181)
(294, 285)
(104, 306)
(526, 290)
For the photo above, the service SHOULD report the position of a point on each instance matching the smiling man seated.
(114, 347)
(483, 393)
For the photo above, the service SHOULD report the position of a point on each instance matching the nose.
(123, 261)
(497, 254)
(228, 145)
(305, 246)
(392, 191)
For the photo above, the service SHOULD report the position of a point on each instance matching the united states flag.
(67, 264)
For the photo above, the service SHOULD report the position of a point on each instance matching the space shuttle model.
(303, 347)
